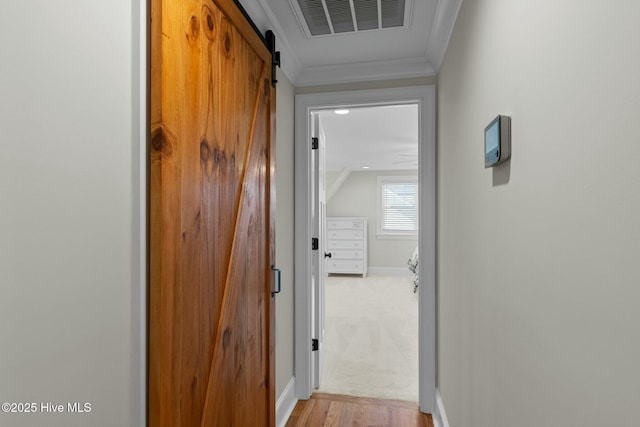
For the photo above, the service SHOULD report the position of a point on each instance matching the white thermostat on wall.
(497, 141)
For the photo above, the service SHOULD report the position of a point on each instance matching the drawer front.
(345, 224)
(347, 254)
(345, 234)
(346, 266)
(345, 244)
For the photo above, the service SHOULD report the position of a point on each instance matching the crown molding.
(365, 71)
(441, 30)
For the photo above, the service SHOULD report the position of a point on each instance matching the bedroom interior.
(371, 314)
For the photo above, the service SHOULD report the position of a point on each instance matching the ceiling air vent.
(326, 17)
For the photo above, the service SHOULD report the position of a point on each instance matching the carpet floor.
(371, 337)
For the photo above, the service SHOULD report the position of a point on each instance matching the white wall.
(358, 196)
(539, 279)
(68, 171)
(284, 232)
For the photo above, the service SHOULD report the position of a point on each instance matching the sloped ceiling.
(414, 49)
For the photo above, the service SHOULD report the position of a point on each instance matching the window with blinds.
(398, 206)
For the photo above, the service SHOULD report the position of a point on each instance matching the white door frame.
(424, 96)
(318, 259)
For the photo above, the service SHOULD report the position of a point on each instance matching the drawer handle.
(327, 255)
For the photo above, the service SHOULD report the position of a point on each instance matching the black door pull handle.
(327, 255)
(278, 278)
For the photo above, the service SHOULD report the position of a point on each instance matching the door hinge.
(314, 143)
(315, 244)
(314, 345)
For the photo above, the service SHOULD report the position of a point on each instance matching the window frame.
(396, 234)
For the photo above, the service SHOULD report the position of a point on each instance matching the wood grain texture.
(337, 410)
(211, 327)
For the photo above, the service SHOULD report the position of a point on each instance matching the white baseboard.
(440, 416)
(286, 402)
(389, 271)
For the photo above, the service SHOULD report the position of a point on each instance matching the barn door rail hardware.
(269, 40)
(275, 56)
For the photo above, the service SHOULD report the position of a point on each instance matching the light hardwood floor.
(344, 411)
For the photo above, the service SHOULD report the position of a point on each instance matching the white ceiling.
(383, 138)
(414, 50)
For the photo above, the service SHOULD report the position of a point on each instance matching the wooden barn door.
(211, 320)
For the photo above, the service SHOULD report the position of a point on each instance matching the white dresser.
(347, 243)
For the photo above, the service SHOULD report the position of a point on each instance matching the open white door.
(318, 213)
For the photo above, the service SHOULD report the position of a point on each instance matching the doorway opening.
(307, 323)
(368, 324)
